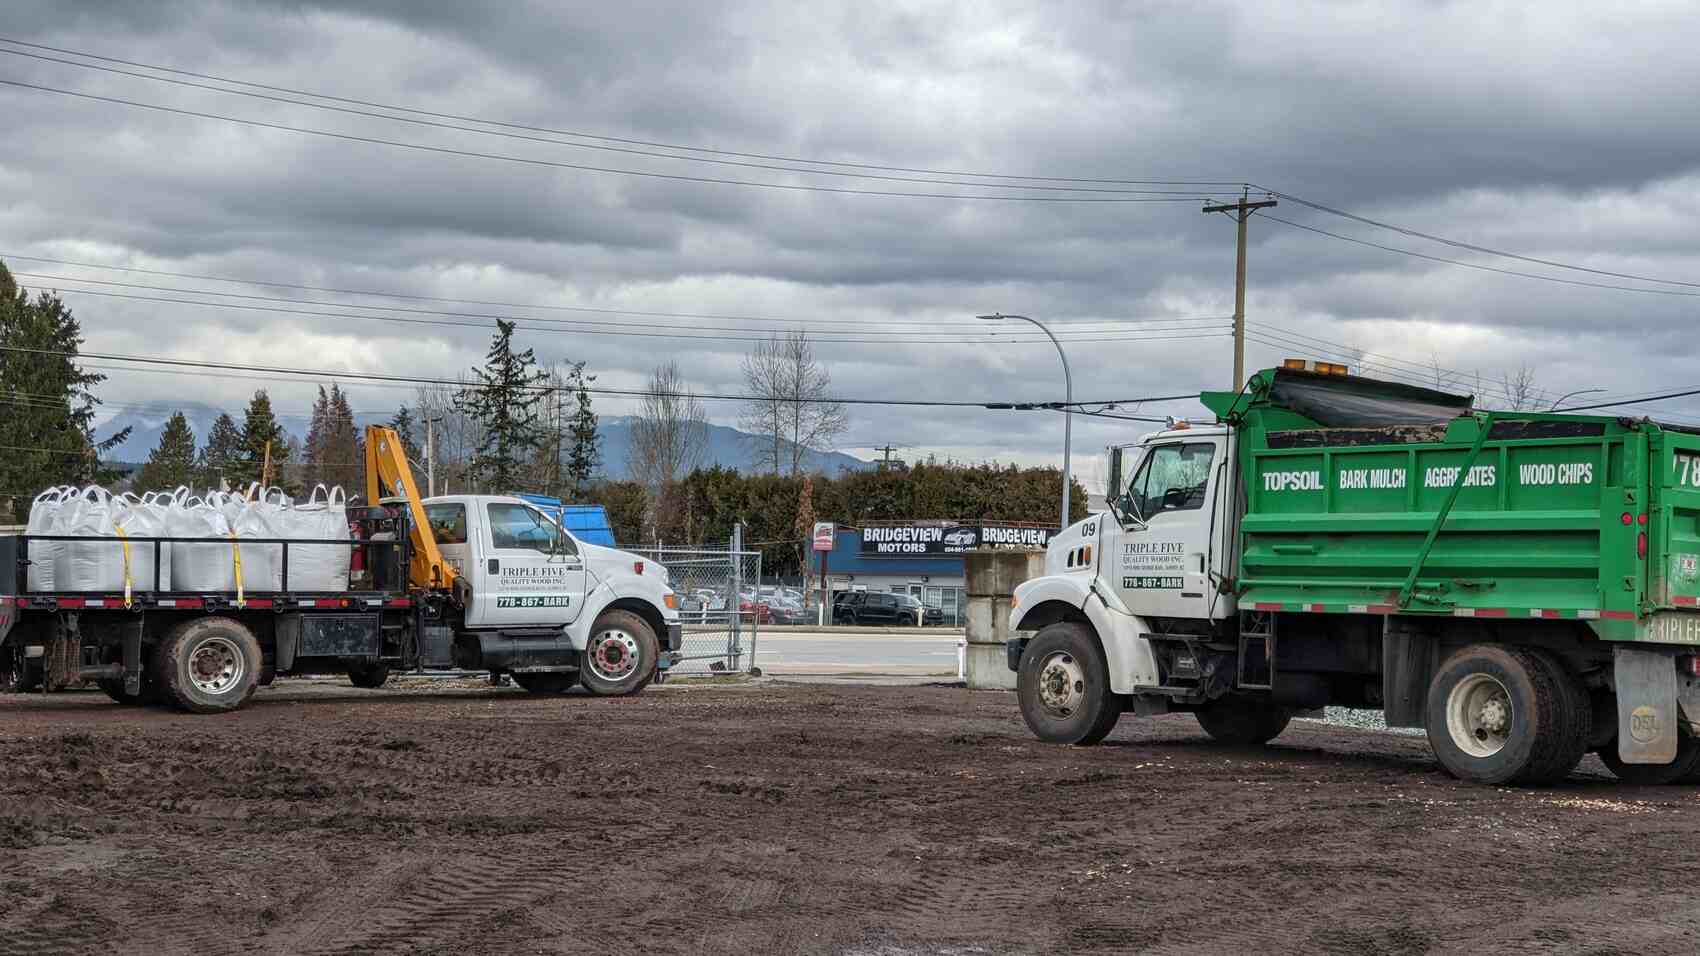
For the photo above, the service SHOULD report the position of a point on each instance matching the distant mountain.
(727, 447)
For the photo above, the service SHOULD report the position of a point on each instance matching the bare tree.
(1521, 393)
(456, 438)
(668, 438)
(789, 414)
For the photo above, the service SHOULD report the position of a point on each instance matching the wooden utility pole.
(1241, 211)
(886, 461)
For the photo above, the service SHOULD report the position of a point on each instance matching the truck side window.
(519, 527)
(1172, 478)
(448, 522)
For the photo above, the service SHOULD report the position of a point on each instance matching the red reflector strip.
(1315, 608)
(1382, 609)
(259, 602)
(1685, 600)
(400, 602)
(71, 602)
(1545, 612)
(328, 602)
(1264, 606)
(1618, 615)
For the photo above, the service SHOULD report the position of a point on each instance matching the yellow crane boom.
(388, 476)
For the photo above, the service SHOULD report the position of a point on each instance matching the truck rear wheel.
(1064, 687)
(371, 676)
(1495, 714)
(1242, 720)
(1684, 769)
(1576, 719)
(18, 673)
(621, 655)
(209, 664)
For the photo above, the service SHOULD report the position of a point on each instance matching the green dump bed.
(1546, 516)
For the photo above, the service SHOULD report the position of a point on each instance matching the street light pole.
(431, 457)
(1068, 405)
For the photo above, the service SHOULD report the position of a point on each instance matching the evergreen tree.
(407, 429)
(218, 461)
(318, 436)
(585, 453)
(260, 432)
(47, 424)
(345, 452)
(334, 453)
(503, 400)
(172, 463)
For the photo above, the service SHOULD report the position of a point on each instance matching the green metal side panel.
(1537, 528)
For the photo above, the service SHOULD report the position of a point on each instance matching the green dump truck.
(1524, 586)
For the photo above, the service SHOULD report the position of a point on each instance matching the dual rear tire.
(1502, 714)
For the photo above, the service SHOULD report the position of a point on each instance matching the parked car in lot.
(864, 607)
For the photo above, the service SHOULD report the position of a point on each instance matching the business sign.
(922, 540)
(825, 532)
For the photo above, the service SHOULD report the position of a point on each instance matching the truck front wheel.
(1495, 714)
(209, 664)
(1064, 686)
(620, 656)
(1246, 721)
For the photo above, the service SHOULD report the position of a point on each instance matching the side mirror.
(1114, 487)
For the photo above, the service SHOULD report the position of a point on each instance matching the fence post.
(755, 625)
(736, 597)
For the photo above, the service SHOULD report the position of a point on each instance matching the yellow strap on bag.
(236, 557)
(124, 540)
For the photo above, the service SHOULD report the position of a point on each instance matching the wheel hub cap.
(1062, 684)
(613, 655)
(215, 666)
(1479, 715)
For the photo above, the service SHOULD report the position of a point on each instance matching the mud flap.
(1646, 705)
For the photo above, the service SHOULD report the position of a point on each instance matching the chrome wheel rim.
(216, 666)
(613, 655)
(1062, 684)
(1479, 715)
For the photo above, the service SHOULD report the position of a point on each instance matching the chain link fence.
(719, 605)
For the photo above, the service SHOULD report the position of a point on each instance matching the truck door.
(529, 571)
(1161, 552)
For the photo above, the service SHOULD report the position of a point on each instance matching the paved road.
(817, 653)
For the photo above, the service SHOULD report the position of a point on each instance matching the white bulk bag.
(44, 519)
(111, 563)
(318, 567)
(261, 564)
(196, 566)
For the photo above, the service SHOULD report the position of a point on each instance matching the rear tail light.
(1688, 664)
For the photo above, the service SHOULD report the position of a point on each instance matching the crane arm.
(387, 476)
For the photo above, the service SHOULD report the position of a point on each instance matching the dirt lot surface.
(793, 819)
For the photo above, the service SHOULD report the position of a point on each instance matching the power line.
(599, 137)
(884, 338)
(613, 149)
(556, 164)
(899, 329)
(1472, 247)
(596, 390)
(494, 303)
(1474, 265)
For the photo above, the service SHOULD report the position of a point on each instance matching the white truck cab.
(1153, 564)
(544, 606)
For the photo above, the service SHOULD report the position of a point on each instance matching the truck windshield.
(1172, 478)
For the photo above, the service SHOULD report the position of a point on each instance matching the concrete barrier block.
(988, 668)
(996, 573)
(981, 624)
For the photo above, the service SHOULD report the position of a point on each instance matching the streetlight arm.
(1068, 408)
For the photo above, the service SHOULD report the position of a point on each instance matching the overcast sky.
(1559, 131)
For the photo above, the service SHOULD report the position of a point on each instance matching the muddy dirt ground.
(793, 819)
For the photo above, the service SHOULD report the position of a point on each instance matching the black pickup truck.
(868, 607)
